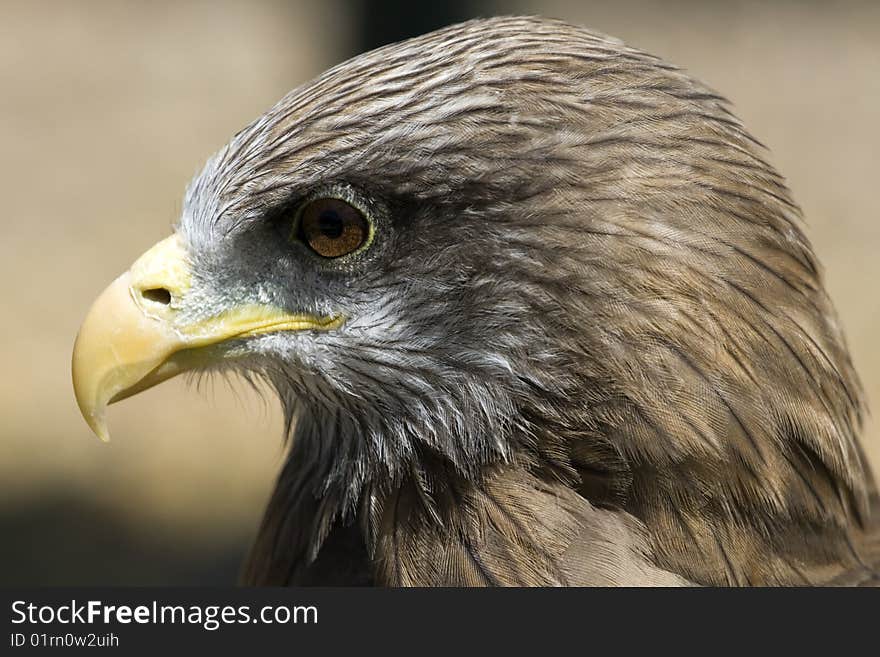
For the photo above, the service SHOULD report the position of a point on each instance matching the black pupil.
(330, 224)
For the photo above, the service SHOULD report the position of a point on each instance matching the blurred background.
(108, 108)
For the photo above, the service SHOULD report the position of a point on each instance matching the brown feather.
(620, 365)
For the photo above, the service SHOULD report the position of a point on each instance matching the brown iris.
(332, 228)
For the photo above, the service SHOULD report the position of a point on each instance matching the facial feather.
(584, 257)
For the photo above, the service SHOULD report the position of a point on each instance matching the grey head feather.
(584, 269)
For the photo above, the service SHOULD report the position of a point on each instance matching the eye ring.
(333, 226)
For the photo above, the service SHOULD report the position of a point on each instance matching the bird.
(537, 311)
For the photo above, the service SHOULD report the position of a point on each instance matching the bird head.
(507, 235)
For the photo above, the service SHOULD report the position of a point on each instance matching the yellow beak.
(134, 336)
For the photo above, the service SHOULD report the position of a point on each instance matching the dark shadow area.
(387, 21)
(76, 542)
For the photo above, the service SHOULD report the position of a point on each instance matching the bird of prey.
(538, 312)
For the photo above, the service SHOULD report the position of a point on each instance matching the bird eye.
(332, 228)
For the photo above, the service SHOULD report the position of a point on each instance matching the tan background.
(108, 108)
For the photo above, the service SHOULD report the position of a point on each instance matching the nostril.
(157, 295)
